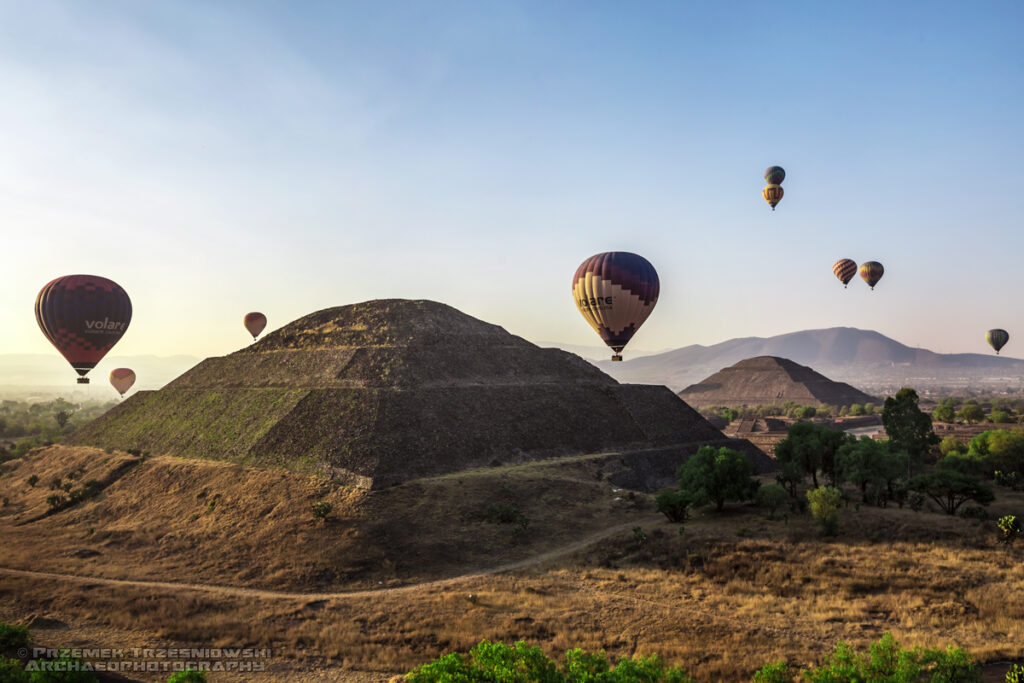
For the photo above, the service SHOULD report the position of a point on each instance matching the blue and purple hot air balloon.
(615, 292)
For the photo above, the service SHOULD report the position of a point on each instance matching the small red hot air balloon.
(83, 316)
(255, 323)
(122, 379)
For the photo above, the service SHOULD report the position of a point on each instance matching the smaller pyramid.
(769, 380)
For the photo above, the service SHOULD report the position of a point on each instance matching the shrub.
(1009, 527)
(321, 510)
(11, 671)
(55, 483)
(13, 637)
(973, 513)
(188, 676)
(1011, 480)
(33, 480)
(825, 502)
(1015, 674)
(674, 505)
(779, 672)
(885, 661)
(519, 663)
(772, 497)
(57, 502)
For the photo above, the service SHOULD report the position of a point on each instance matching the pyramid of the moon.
(769, 380)
(384, 391)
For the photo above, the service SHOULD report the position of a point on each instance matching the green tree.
(809, 448)
(715, 476)
(728, 414)
(62, 417)
(772, 497)
(951, 484)
(856, 409)
(999, 449)
(971, 413)
(999, 417)
(825, 502)
(805, 412)
(674, 505)
(909, 429)
(869, 408)
(944, 413)
(951, 444)
(871, 466)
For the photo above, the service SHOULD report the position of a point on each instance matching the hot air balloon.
(845, 269)
(871, 272)
(122, 379)
(772, 194)
(997, 339)
(615, 292)
(83, 316)
(255, 322)
(774, 175)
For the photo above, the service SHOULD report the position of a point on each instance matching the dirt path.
(284, 595)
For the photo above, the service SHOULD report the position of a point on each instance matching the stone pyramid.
(384, 391)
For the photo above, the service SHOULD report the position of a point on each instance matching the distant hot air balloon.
(122, 379)
(83, 316)
(772, 194)
(615, 292)
(774, 175)
(997, 339)
(255, 322)
(871, 272)
(845, 269)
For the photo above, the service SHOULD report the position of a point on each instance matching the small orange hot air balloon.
(122, 379)
(255, 323)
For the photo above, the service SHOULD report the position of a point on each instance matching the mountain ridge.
(864, 357)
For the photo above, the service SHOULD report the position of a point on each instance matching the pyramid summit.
(384, 391)
(770, 380)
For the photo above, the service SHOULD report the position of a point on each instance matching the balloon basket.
(616, 357)
(83, 380)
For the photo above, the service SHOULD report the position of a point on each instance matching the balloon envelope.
(772, 194)
(83, 316)
(122, 379)
(871, 272)
(845, 269)
(255, 323)
(774, 175)
(615, 292)
(997, 339)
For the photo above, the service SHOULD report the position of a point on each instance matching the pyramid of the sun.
(770, 380)
(384, 391)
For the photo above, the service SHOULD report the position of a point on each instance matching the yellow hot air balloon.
(772, 194)
(122, 379)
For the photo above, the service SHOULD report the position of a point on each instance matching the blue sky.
(221, 157)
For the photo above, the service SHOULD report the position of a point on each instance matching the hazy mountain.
(864, 358)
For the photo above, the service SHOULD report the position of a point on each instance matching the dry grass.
(733, 592)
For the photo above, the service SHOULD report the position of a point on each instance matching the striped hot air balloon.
(997, 339)
(845, 269)
(83, 316)
(871, 272)
(774, 175)
(772, 194)
(122, 379)
(615, 292)
(255, 323)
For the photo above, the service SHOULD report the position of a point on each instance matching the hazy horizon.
(218, 158)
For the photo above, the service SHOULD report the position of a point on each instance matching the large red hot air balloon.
(615, 292)
(83, 316)
(255, 323)
(122, 379)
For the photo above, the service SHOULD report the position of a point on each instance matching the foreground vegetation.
(884, 661)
